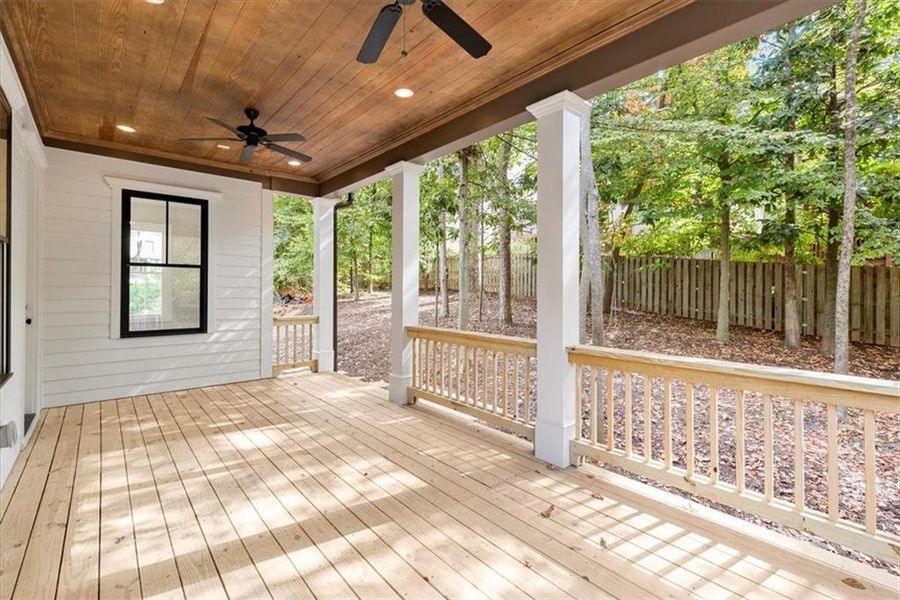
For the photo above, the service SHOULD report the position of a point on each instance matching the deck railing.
(293, 342)
(747, 437)
(486, 376)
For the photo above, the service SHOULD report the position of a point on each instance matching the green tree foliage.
(293, 245)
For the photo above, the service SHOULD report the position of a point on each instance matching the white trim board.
(117, 184)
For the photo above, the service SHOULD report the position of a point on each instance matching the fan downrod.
(251, 113)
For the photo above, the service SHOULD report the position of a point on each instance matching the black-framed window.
(165, 244)
(5, 239)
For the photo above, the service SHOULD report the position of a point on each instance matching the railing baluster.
(595, 375)
(610, 411)
(739, 442)
(528, 389)
(648, 416)
(516, 386)
(768, 456)
(689, 429)
(831, 419)
(467, 374)
(456, 348)
(579, 390)
(505, 383)
(278, 360)
(415, 375)
(667, 422)
(484, 375)
(628, 416)
(799, 458)
(714, 433)
(869, 445)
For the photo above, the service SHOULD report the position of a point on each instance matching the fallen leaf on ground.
(854, 583)
(546, 514)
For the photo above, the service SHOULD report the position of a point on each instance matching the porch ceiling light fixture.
(155, 1)
(223, 147)
(126, 128)
(294, 163)
(403, 93)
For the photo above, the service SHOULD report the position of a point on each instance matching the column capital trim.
(404, 166)
(564, 100)
(324, 202)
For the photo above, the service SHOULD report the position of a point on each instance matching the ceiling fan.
(438, 13)
(253, 137)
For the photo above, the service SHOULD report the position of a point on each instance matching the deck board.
(315, 486)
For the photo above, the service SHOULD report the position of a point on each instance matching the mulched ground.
(363, 351)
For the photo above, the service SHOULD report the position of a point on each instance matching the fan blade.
(285, 137)
(379, 34)
(288, 152)
(210, 139)
(247, 153)
(226, 126)
(454, 26)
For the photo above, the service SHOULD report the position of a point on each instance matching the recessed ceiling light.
(155, 1)
(294, 163)
(403, 93)
(223, 146)
(126, 128)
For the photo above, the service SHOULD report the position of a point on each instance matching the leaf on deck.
(854, 583)
(546, 514)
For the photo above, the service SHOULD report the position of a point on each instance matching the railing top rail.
(525, 346)
(707, 368)
(295, 320)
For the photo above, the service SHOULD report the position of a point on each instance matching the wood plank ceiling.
(88, 66)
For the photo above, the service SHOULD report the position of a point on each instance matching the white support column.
(559, 121)
(266, 263)
(404, 273)
(323, 281)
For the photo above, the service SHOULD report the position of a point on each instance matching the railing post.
(323, 281)
(404, 273)
(559, 124)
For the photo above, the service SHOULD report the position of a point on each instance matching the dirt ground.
(363, 351)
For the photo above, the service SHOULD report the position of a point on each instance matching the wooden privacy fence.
(293, 342)
(759, 439)
(523, 274)
(687, 287)
(486, 376)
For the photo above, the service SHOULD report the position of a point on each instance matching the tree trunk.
(465, 241)
(354, 278)
(791, 301)
(504, 283)
(443, 275)
(371, 268)
(436, 295)
(826, 344)
(615, 228)
(481, 261)
(723, 333)
(842, 305)
(592, 260)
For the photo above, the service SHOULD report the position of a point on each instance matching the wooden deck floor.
(316, 486)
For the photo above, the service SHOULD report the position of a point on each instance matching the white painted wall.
(27, 161)
(81, 359)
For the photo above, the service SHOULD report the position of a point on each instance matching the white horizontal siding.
(80, 360)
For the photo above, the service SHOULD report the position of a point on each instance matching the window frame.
(6, 253)
(126, 264)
